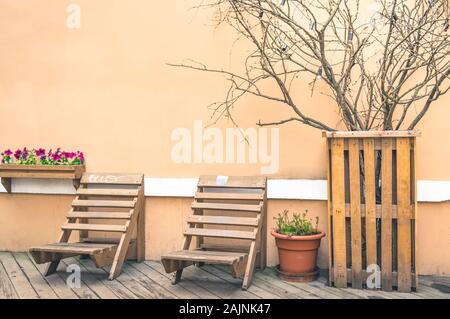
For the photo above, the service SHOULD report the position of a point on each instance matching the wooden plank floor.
(20, 277)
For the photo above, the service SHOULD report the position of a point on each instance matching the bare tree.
(384, 62)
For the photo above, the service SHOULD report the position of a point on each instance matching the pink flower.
(25, 153)
(40, 153)
(8, 152)
(68, 155)
(18, 154)
(56, 157)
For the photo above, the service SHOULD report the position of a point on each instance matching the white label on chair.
(221, 180)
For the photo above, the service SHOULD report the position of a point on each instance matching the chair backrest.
(230, 208)
(109, 199)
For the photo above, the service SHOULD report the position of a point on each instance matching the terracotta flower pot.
(297, 254)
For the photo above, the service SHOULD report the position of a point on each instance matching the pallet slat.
(339, 229)
(370, 202)
(378, 211)
(403, 219)
(386, 220)
(355, 213)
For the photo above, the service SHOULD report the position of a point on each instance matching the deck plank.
(158, 291)
(283, 290)
(120, 290)
(318, 291)
(83, 292)
(430, 292)
(7, 290)
(97, 286)
(361, 293)
(265, 294)
(17, 277)
(294, 290)
(215, 285)
(177, 290)
(441, 284)
(56, 282)
(20, 277)
(39, 284)
(134, 285)
(187, 284)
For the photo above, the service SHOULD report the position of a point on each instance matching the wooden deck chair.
(230, 209)
(105, 204)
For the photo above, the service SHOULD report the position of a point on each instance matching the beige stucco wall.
(27, 220)
(106, 89)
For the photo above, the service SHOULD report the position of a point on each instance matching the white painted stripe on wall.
(40, 186)
(170, 187)
(433, 191)
(304, 189)
(308, 189)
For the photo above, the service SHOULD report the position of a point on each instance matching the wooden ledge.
(9, 171)
(361, 134)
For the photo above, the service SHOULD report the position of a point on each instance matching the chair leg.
(121, 252)
(63, 238)
(51, 267)
(250, 267)
(177, 277)
(140, 242)
(238, 269)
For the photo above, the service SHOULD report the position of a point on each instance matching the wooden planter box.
(372, 216)
(9, 171)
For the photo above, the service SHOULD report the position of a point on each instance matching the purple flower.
(40, 153)
(81, 156)
(8, 152)
(18, 154)
(25, 153)
(56, 157)
(68, 155)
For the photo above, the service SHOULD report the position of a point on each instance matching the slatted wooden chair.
(224, 235)
(115, 205)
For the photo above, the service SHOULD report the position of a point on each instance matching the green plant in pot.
(298, 241)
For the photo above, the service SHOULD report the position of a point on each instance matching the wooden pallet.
(365, 231)
(229, 209)
(106, 199)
